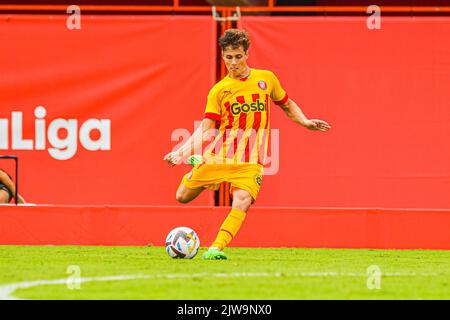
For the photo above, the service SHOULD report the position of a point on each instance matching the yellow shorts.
(240, 176)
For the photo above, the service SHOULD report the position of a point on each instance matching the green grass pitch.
(249, 273)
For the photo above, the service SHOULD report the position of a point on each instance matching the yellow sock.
(229, 228)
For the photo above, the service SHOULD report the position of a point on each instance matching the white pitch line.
(6, 291)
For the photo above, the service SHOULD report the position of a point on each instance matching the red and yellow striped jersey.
(241, 109)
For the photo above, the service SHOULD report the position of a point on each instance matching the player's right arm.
(203, 133)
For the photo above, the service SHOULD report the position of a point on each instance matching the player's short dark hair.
(235, 38)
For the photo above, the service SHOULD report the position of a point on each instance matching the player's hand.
(316, 124)
(172, 158)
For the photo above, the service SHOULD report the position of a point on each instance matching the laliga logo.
(61, 148)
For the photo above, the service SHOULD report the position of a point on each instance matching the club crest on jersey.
(262, 85)
(258, 179)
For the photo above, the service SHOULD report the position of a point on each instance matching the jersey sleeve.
(278, 94)
(212, 110)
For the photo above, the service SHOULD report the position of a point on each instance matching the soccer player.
(238, 109)
(8, 189)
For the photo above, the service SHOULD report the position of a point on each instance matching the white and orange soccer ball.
(182, 243)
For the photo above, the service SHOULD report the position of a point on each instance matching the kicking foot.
(195, 159)
(214, 254)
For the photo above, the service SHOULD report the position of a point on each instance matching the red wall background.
(386, 95)
(149, 74)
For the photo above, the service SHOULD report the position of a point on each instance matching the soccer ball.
(182, 242)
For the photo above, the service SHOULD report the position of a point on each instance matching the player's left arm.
(294, 112)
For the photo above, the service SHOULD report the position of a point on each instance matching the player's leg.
(242, 201)
(185, 194)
